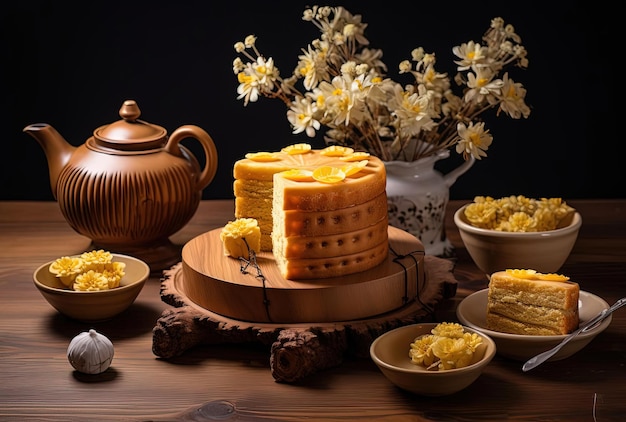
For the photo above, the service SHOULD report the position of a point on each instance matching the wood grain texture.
(37, 382)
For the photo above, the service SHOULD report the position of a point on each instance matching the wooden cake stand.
(310, 324)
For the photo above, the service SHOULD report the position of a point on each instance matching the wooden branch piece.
(300, 352)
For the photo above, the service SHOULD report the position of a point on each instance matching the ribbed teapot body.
(128, 198)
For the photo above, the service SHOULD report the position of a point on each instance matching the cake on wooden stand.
(308, 326)
(329, 275)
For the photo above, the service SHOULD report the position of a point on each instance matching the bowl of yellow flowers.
(433, 359)
(518, 232)
(91, 287)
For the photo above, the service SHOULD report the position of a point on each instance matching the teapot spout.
(58, 151)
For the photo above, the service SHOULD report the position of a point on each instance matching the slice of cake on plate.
(530, 303)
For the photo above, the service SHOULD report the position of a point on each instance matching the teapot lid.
(130, 133)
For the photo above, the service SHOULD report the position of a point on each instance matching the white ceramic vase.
(417, 196)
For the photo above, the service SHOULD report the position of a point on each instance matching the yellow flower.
(448, 347)
(91, 281)
(97, 257)
(421, 351)
(114, 272)
(518, 213)
(91, 271)
(66, 269)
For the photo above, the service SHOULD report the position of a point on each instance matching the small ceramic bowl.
(390, 352)
(97, 305)
(472, 311)
(492, 250)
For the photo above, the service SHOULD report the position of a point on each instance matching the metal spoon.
(542, 357)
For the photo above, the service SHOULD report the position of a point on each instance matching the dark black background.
(72, 64)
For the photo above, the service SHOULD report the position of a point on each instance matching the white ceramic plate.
(472, 312)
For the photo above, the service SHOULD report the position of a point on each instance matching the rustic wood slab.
(296, 350)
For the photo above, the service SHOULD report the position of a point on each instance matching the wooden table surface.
(233, 382)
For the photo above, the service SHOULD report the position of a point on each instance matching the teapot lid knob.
(130, 110)
(130, 133)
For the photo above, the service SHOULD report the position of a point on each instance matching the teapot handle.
(210, 152)
(450, 178)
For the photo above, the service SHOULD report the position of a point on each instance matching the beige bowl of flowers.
(412, 366)
(96, 302)
(544, 250)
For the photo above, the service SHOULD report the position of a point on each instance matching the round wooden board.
(217, 283)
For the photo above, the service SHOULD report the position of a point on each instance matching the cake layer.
(261, 210)
(532, 305)
(250, 188)
(531, 320)
(318, 268)
(321, 223)
(331, 246)
(317, 196)
(503, 324)
(550, 294)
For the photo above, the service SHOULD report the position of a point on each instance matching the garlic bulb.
(90, 352)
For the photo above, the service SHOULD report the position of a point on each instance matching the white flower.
(513, 98)
(474, 140)
(301, 117)
(340, 83)
(471, 54)
(482, 87)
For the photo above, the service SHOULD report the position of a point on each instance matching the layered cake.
(323, 213)
(531, 303)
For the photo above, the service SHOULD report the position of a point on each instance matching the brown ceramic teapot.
(129, 186)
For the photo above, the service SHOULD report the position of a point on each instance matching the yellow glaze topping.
(534, 275)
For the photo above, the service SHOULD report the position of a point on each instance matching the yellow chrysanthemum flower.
(448, 347)
(91, 271)
(66, 269)
(518, 213)
(114, 272)
(91, 281)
